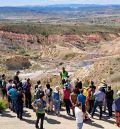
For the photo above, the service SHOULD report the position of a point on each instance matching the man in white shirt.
(79, 115)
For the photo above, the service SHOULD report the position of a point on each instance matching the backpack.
(2, 84)
(25, 87)
(38, 92)
(48, 92)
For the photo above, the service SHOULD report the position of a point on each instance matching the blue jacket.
(117, 104)
(56, 95)
(81, 99)
(13, 94)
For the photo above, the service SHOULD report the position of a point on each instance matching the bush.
(3, 104)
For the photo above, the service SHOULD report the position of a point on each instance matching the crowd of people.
(82, 101)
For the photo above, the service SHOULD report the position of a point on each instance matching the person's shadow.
(28, 121)
(7, 114)
(52, 121)
(68, 117)
(92, 123)
(26, 114)
(105, 119)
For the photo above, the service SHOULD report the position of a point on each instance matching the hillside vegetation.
(46, 29)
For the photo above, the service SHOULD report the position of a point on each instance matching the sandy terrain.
(9, 120)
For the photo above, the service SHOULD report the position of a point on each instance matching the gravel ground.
(8, 120)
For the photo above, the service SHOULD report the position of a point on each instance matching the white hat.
(99, 87)
(118, 93)
(13, 85)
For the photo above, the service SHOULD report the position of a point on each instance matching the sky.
(52, 2)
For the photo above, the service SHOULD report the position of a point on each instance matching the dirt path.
(8, 120)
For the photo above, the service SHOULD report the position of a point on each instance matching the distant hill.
(70, 7)
(61, 12)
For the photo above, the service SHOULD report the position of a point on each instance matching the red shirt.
(66, 93)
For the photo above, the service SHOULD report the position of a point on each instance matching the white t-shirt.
(78, 115)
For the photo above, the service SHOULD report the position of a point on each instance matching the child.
(79, 115)
(39, 105)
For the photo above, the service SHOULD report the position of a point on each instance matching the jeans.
(57, 106)
(14, 106)
(109, 106)
(97, 104)
(40, 116)
(20, 110)
(79, 125)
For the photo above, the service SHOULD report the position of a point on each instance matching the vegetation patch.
(3, 104)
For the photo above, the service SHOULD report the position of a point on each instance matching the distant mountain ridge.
(59, 7)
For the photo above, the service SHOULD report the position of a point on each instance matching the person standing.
(109, 98)
(20, 102)
(73, 97)
(3, 86)
(91, 97)
(99, 99)
(56, 100)
(13, 96)
(16, 79)
(48, 93)
(8, 87)
(117, 109)
(68, 84)
(63, 75)
(27, 91)
(66, 94)
(104, 87)
(39, 105)
(82, 99)
(79, 115)
(78, 84)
